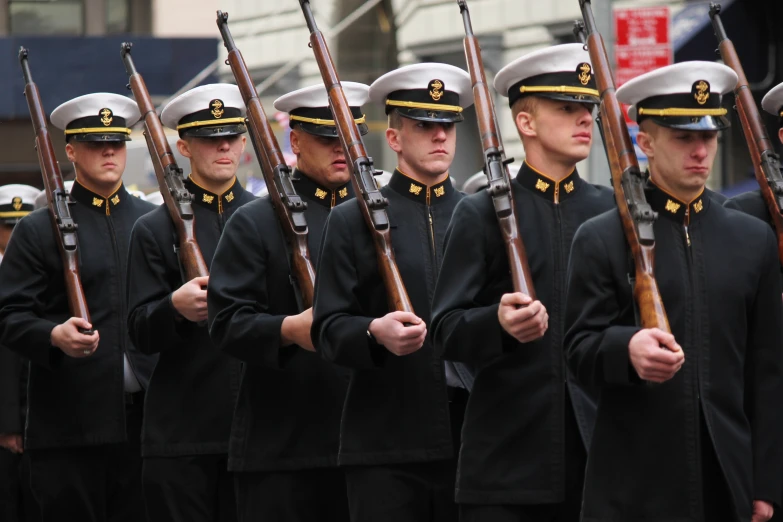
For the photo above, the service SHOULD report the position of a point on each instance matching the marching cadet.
(16, 201)
(285, 431)
(708, 426)
(85, 391)
(395, 435)
(527, 422)
(752, 202)
(187, 416)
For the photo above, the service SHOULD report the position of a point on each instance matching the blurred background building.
(74, 49)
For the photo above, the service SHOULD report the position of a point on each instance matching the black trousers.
(311, 495)
(91, 483)
(188, 489)
(10, 490)
(415, 492)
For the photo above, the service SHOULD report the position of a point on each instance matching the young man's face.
(214, 159)
(321, 158)
(99, 163)
(563, 128)
(681, 160)
(424, 148)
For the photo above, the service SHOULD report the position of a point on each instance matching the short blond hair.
(528, 104)
(395, 120)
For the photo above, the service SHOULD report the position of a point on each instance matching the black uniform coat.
(513, 439)
(288, 411)
(717, 270)
(10, 392)
(73, 401)
(397, 408)
(192, 392)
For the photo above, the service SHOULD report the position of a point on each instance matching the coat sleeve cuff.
(355, 348)
(616, 360)
(41, 351)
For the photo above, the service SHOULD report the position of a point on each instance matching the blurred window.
(117, 16)
(46, 17)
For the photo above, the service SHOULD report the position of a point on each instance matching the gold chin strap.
(14, 213)
(98, 130)
(426, 106)
(564, 89)
(319, 121)
(673, 111)
(216, 123)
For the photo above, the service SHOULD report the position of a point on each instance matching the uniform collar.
(214, 202)
(542, 185)
(312, 191)
(412, 189)
(673, 208)
(98, 202)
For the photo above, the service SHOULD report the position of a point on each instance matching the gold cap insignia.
(107, 116)
(230, 196)
(116, 199)
(415, 189)
(672, 207)
(542, 185)
(206, 198)
(217, 108)
(439, 191)
(436, 89)
(320, 193)
(17, 203)
(569, 187)
(343, 192)
(585, 73)
(698, 206)
(701, 91)
(97, 202)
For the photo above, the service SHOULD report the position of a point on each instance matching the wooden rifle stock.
(170, 178)
(495, 162)
(766, 164)
(372, 203)
(636, 215)
(57, 199)
(288, 206)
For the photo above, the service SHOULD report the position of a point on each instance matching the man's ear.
(393, 139)
(70, 152)
(780, 134)
(244, 142)
(526, 124)
(294, 139)
(646, 142)
(184, 148)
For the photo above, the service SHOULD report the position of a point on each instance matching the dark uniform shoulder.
(607, 225)
(742, 221)
(38, 223)
(254, 213)
(480, 202)
(750, 203)
(350, 211)
(36, 218)
(600, 190)
(157, 217)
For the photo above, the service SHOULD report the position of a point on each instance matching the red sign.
(632, 62)
(642, 42)
(645, 26)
